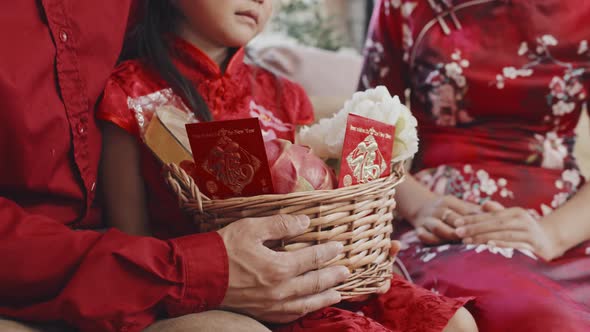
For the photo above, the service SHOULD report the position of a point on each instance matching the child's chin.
(241, 37)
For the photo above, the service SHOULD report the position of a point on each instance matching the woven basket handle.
(183, 186)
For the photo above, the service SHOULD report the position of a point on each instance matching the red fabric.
(51, 75)
(242, 91)
(497, 100)
(404, 308)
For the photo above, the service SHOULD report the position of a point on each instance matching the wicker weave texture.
(360, 217)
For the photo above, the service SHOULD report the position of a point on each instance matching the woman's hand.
(435, 220)
(511, 228)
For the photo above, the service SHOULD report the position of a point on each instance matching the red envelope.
(230, 159)
(366, 153)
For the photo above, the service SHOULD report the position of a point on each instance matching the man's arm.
(103, 282)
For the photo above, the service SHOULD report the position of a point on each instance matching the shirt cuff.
(206, 273)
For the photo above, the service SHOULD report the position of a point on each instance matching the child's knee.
(462, 321)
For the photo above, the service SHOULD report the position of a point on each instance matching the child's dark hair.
(158, 22)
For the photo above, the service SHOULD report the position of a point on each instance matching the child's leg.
(462, 321)
(214, 320)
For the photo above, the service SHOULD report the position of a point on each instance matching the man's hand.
(278, 286)
(435, 221)
(508, 228)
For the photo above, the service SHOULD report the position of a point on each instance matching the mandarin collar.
(194, 62)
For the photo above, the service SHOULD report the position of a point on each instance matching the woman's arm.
(569, 225)
(124, 194)
(411, 196)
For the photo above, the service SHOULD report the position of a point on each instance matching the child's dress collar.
(195, 61)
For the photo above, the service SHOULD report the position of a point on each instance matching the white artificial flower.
(327, 136)
(405, 145)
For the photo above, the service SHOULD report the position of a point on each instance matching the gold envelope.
(166, 136)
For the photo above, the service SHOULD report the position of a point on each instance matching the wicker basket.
(360, 217)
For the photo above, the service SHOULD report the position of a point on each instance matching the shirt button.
(63, 36)
(81, 128)
(93, 186)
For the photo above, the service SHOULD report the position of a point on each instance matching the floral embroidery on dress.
(583, 47)
(568, 184)
(506, 252)
(566, 92)
(406, 9)
(446, 88)
(550, 149)
(430, 253)
(395, 4)
(427, 254)
(377, 67)
(474, 186)
(374, 53)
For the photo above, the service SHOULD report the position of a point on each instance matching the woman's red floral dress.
(498, 87)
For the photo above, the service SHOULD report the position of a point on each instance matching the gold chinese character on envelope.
(367, 149)
(231, 164)
(366, 161)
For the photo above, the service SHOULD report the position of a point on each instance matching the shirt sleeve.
(103, 281)
(114, 108)
(385, 54)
